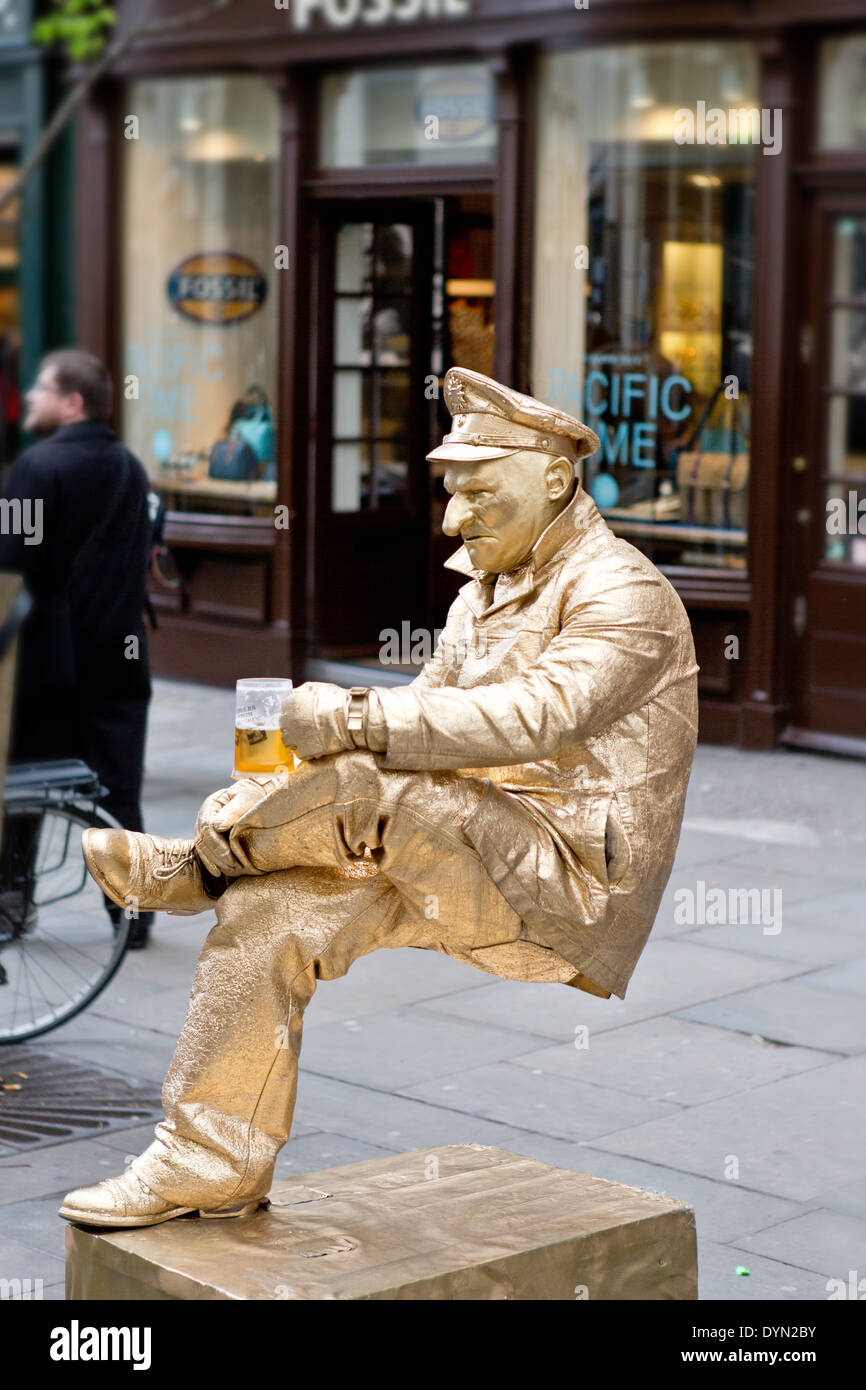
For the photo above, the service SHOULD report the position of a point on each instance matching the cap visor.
(467, 453)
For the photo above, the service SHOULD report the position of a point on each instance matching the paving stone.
(807, 943)
(824, 1241)
(34, 1223)
(55, 1170)
(700, 847)
(145, 1057)
(723, 1210)
(838, 865)
(848, 1198)
(395, 1121)
(670, 975)
(318, 1151)
(398, 1047)
(160, 1011)
(138, 1053)
(672, 1060)
(761, 830)
(795, 1137)
(19, 1260)
(812, 792)
(386, 979)
(93, 1027)
(833, 912)
(555, 1105)
(169, 960)
(790, 1012)
(849, 978)
(767, 1279)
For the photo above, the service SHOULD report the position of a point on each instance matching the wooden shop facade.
(293, 218)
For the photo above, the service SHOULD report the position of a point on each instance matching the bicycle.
(56, 956)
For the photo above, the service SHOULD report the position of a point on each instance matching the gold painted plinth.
(457, 1222)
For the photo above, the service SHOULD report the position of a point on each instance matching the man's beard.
(41, 427)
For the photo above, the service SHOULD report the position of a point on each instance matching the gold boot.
(127, 1201)
(146, 872)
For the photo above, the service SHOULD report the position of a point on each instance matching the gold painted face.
(499, 507)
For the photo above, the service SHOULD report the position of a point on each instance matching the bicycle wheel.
(58, 945)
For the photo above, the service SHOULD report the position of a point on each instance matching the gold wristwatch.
(355, 718)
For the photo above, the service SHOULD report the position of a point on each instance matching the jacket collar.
(569, 525)
(82, 429)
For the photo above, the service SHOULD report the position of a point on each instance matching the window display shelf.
(671, 530)
(255, 498)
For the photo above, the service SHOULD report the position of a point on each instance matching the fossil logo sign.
(217, 287)
(343, 13)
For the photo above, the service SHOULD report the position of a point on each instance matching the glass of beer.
(259, 746)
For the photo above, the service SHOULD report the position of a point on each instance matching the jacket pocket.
(617, 846)
(607, 849)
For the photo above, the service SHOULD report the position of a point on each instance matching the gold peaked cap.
(491, 421)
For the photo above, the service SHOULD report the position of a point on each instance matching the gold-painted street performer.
(516, 806)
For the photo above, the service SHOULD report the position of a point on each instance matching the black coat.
(75, 474)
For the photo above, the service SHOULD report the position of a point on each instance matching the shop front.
(292, 227)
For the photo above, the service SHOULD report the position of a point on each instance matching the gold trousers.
(343, 859)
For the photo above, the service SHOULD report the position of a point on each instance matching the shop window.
(842, 93)
(643, 283)
(199, 304)
(412, 115)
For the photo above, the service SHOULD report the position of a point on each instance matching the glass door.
(464, 335)
(373, 417)
(373, 306)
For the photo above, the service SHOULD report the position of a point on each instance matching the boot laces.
(176, 860)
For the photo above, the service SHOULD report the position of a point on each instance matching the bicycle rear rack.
(36, 784)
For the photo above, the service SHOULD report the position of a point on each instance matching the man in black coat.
(79, 532)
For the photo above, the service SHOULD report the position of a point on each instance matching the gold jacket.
(570, 684)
